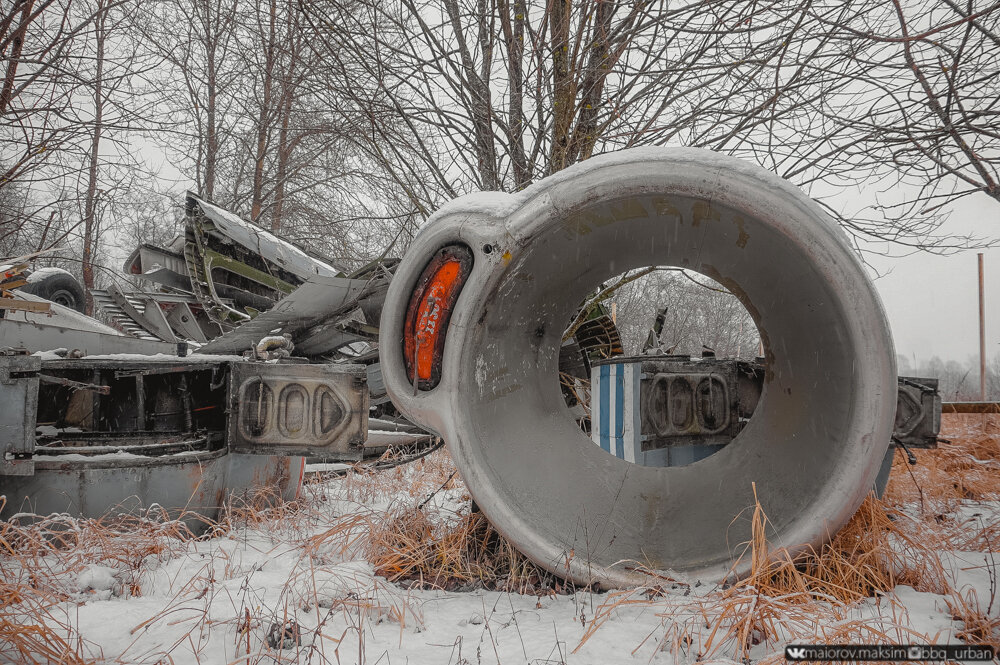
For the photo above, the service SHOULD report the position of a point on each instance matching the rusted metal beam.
(970, 407)
(75, 385)
(171, 369)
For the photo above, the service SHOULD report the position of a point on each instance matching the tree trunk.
(17, 43)
(211, 131)
(285, 143)
(563, 84)
(513, 31)
(90, 200)
(581, 144)
(263, 117)
(480, 104)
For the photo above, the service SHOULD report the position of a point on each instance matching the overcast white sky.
(933, 301)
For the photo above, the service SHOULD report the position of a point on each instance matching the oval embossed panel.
(293, 411)
(256, 408)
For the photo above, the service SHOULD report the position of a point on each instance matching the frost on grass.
(394, 566)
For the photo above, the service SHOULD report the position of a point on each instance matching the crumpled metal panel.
(319, 298)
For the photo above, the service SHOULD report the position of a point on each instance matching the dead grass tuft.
(255, 508)
(464, 553)
(431, 537)
(978, 624)
(38, 643)
(871, 554)
(942, 491)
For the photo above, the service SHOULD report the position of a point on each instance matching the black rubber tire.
(59, 287)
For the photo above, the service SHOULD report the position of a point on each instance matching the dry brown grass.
(408, 546)
(419, 545)
(883, 545)
(978, 625)
(43, 557)
(958, 474)
(871, 554)
(879, 548)
(36, 642)
(367, 486)
(967, 468)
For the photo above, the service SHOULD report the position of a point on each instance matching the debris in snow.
(60, 353)
(325, 467)
(286, 636)
(300, 576)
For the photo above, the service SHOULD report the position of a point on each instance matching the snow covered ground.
(296, 584)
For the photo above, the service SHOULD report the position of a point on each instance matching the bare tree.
(37, 116)
(199, 80)
(92, 191)
(932, 114)
(493, 94)
(73, 97)
(698, 314)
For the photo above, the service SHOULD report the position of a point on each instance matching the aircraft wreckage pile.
(245, 353)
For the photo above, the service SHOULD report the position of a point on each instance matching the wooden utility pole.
(982, 333)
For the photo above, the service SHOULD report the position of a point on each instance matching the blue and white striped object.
(614, 410)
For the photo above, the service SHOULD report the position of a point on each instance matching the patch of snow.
(195, 597)
(494, 204)
(49, 430)
(76, 457)
(55, 354)
(60, 316)
(42, 273)
(397, 433)
(194, 359)
(320, 467)
(98, 578)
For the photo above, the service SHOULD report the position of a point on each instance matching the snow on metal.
(267, 245)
